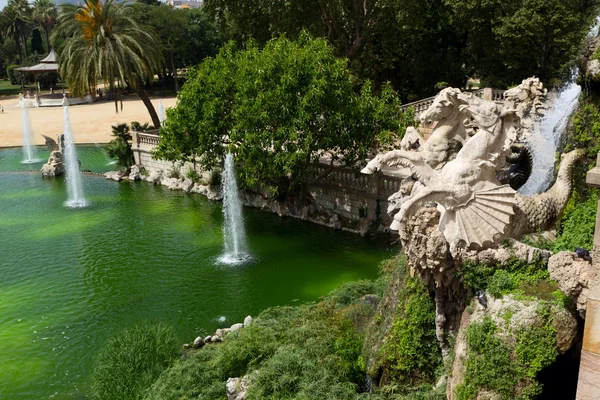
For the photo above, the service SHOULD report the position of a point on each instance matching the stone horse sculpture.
(476, 209)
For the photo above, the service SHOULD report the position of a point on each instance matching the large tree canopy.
(418, 44)
(277, 109)
(510, 40)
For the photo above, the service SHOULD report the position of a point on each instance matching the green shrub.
(351, 292)
(578, 227)
(215, 177)
(193, 175)
(515, 272)
(120, 148)
(12, 75)
(411, 352)
(131, 361)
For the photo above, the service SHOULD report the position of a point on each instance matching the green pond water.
(71, 279)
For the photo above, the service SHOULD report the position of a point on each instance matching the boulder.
(187, 184)
(512, 316)
(237, 387)
(211, 193)
(247, 321)
(155, 177)
(235, 327)
(114, 175)
(198, 342)
(575, 277)
(135, 173)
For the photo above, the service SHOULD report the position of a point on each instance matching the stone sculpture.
(457, 169)
(55, 165)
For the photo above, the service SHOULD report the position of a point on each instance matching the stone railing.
(149, 138)
(377, 186)
(486, 94)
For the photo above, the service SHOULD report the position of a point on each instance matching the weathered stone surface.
(135, 173)
(510, 315)
(237, 387)
(114, 175)
(247, 321)
(198, 342)
(155, 177)
(54, 166)
(235, 327)
(575, 277)
(211, 193)
(370, 299)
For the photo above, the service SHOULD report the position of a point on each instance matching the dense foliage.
(507, 41)
(129, 363)
(277, 109)
(417, 45)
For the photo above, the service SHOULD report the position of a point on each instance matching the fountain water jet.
(162, 115)
(234, 233)
(73, 176)
(28, 146)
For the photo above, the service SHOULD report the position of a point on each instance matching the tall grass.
(131, 361)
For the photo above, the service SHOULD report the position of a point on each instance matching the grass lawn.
(8, 89)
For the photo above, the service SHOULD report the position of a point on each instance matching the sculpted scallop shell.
(486, 216)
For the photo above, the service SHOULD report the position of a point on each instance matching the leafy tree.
(507, 41)
(45, 14)
(278, 110)
(190, 38)
(104, 41)
(412, 44)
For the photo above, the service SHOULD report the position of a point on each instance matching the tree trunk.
(25, 46)
(18, 42)
(47, 41)
(174, 71)
(146, 100)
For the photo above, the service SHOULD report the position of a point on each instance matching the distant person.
(1, 109)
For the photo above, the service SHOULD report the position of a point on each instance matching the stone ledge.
(593, 177)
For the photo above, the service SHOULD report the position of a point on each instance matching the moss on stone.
(401, 345)
(507, 361)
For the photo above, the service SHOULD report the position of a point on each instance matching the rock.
(186, 346)
(171, 183)
(155, 177)
(575, 277)
(237, 387)
(335, 222)
(198, 342)
(216, 339)
(511, 315)
(135, 173)
(235, 327)
(187, 184)
(114, 175)
(221, 332)
(207, 339)
(208, 191)
(370, 299)
(247, 321)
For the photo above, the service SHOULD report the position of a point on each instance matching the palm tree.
(45, 14)
(14, 23)
(104, 42)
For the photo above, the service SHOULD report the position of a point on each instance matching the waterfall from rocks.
(29, 153)
(234, 233)
(72, 173)
(546, 138)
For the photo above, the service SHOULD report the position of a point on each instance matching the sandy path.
(91, 123)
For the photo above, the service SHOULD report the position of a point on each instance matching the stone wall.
(357, 199)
